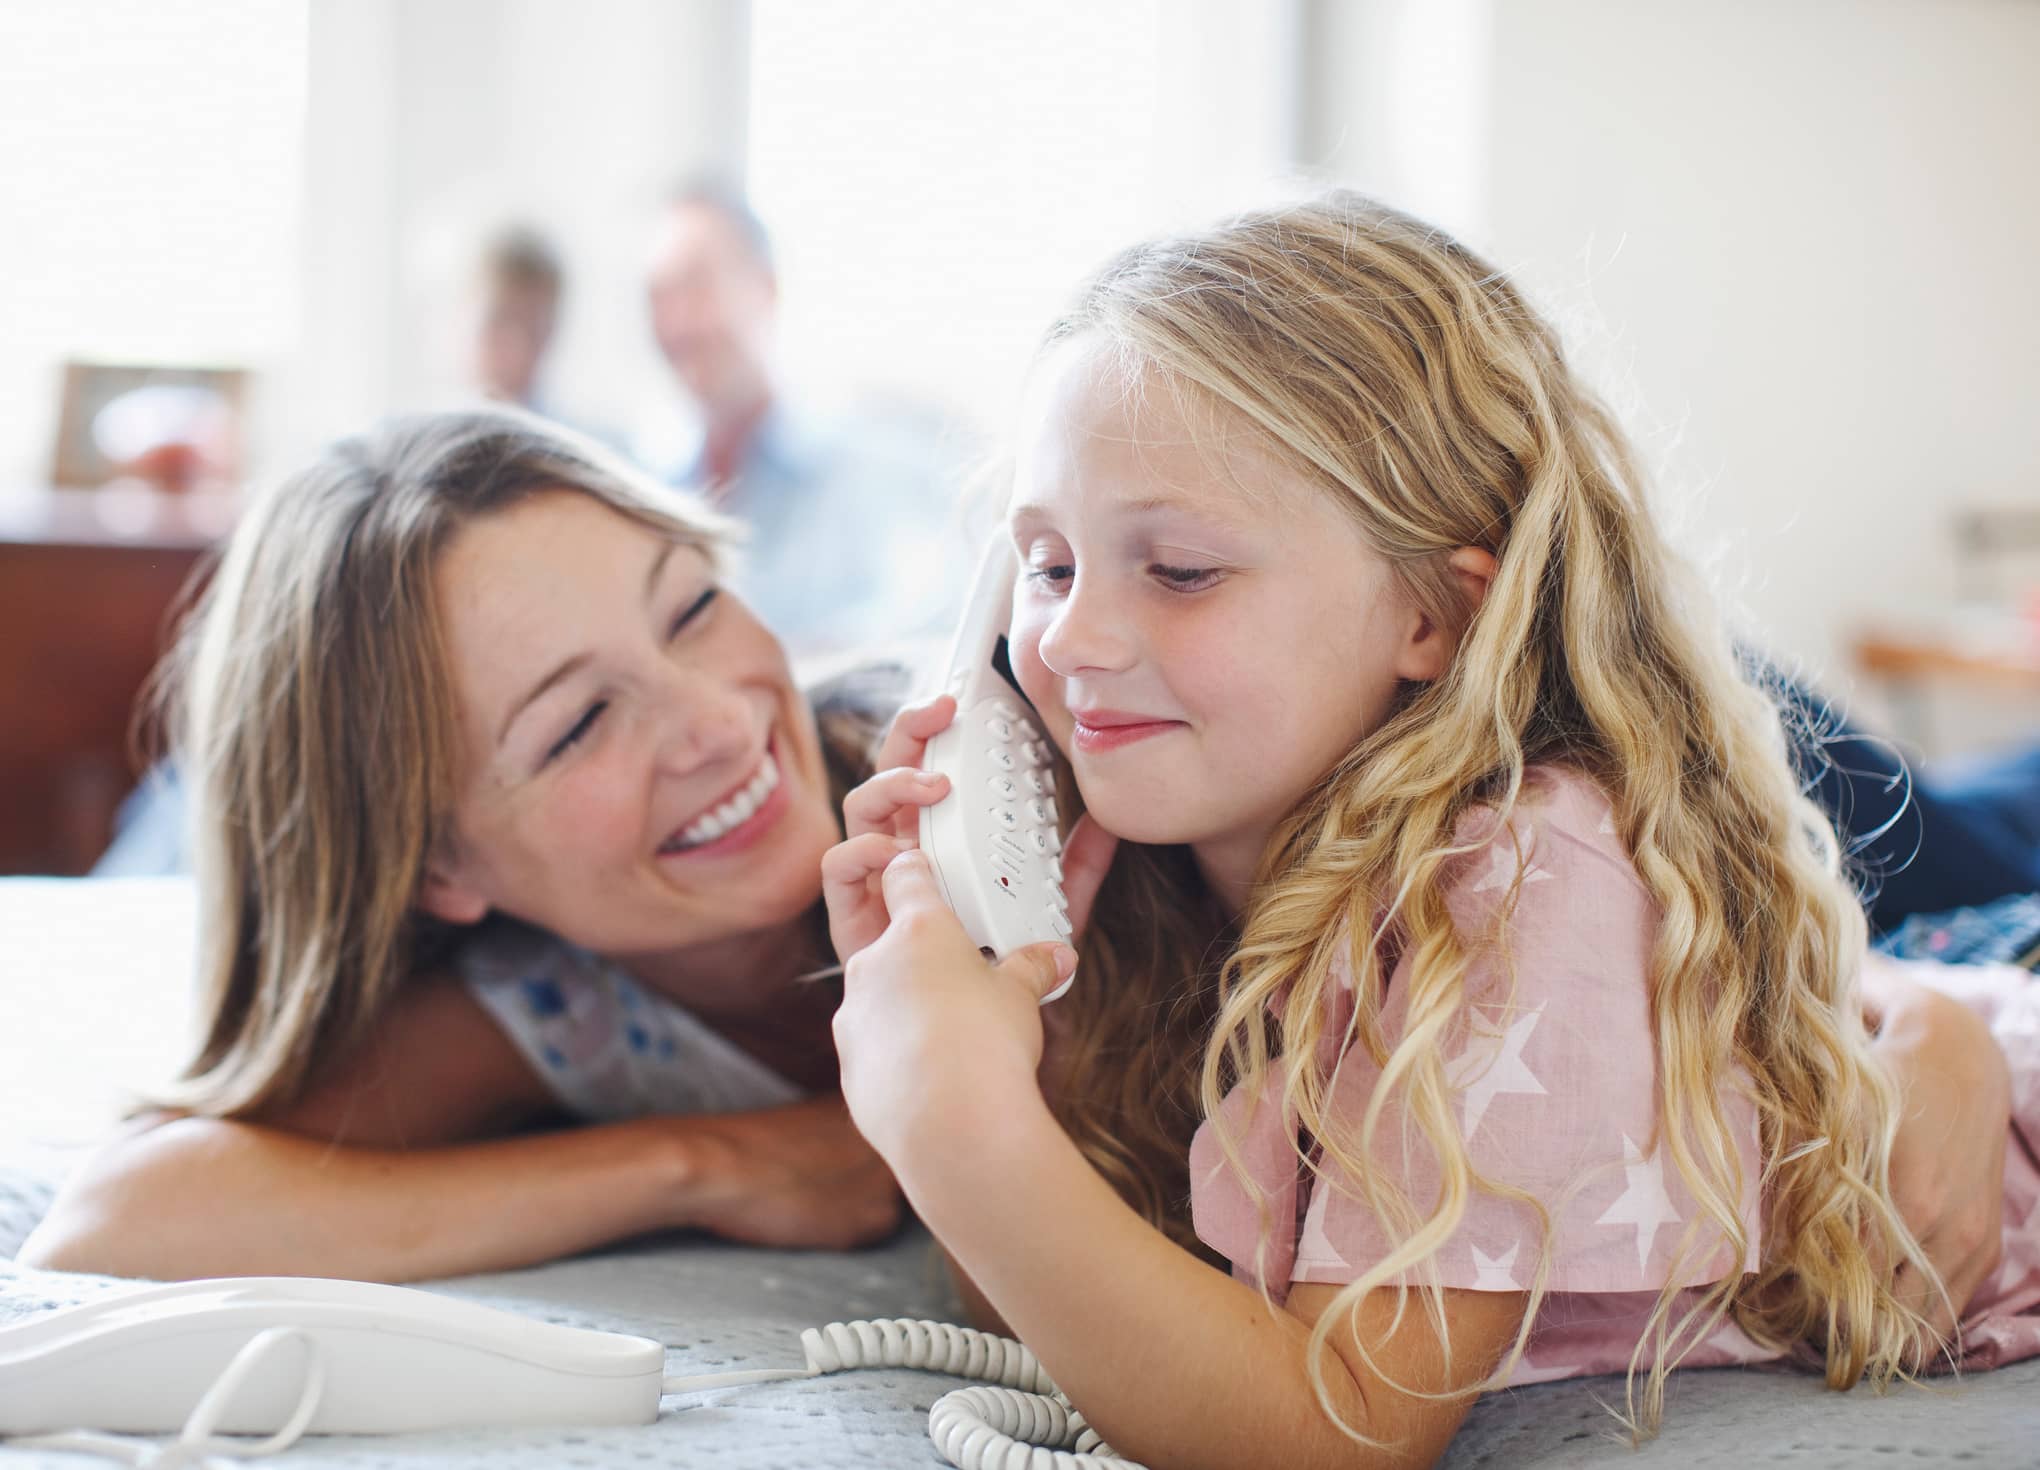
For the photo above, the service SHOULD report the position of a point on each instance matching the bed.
(95, 972)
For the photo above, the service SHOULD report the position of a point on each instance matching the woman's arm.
(393, 1167)
(1948, 1161)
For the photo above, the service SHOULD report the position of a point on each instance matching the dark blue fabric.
(1921, 843)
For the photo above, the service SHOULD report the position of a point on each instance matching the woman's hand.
(1948, 1161)
(929, 1029)
(799, 1176)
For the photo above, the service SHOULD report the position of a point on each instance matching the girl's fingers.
(848, 865)
(874, 806)
(907, 737)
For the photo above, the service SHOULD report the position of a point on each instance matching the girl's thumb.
(1047, 968)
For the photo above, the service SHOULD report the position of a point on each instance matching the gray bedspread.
(719, 1306)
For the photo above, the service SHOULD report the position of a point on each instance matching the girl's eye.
(1185, 579)
(692, 611)
(1052, 574)
(574, 736)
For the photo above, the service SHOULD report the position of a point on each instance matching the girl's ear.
(449, 895)
(1429, 648)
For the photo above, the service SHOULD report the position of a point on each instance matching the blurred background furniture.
(89, 581)
(1966, 674)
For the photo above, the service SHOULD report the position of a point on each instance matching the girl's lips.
(748, 831)
(1095, 739)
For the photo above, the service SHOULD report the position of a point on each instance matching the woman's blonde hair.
(1383, 362)
(312, 714)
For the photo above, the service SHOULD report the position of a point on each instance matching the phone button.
(1059, 921)
(1007, 818)
(1045, 841)
(1004, 788)
(1039, 810)
(1003, 759)
(1001, 729)
(1033, 753)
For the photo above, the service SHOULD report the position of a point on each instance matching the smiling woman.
(507, 816)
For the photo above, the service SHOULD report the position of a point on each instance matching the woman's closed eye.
(586, 723)
(692, 611)
(580, 730)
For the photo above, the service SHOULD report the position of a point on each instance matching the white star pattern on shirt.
(1313, 1246)
(1489, 1066)
(1502, 864)
(1495, 1273)
(1643, 1203)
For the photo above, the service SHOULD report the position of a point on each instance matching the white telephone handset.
(994, 840)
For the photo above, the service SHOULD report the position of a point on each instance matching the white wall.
(940, 176)
(1801, 232)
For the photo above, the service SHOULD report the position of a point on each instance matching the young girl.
(1534, 1045)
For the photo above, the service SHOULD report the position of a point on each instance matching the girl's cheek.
(1023, 648)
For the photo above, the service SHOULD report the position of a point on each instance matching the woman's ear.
(449, 895)
(1429, 649)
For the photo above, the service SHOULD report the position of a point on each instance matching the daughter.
(1524, 980)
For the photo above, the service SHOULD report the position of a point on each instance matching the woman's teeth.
(732, 813)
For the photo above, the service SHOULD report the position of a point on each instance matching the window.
(151, 154)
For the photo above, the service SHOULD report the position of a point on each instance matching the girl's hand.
(881, 819)
(929, 1029)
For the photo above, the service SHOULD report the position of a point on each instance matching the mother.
(507, 815)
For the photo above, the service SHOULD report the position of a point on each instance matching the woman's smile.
(738, 819)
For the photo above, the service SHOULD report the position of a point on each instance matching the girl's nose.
(1089, 633)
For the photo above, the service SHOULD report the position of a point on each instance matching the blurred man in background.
(850, 513)
(517, 310)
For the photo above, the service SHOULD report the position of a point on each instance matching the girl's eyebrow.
(1033, 512)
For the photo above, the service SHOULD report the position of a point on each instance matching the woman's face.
(639, 773)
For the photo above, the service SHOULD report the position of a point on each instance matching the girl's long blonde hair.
(1387, 364)
(311, 712)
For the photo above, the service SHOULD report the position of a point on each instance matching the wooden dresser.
(89, 581)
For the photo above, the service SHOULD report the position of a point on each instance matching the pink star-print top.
(1555, 1085)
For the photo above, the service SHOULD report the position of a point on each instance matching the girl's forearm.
(204, 1197)
(1173, 1362)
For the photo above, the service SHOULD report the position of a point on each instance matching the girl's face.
(641, 775)
(1204, 632)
